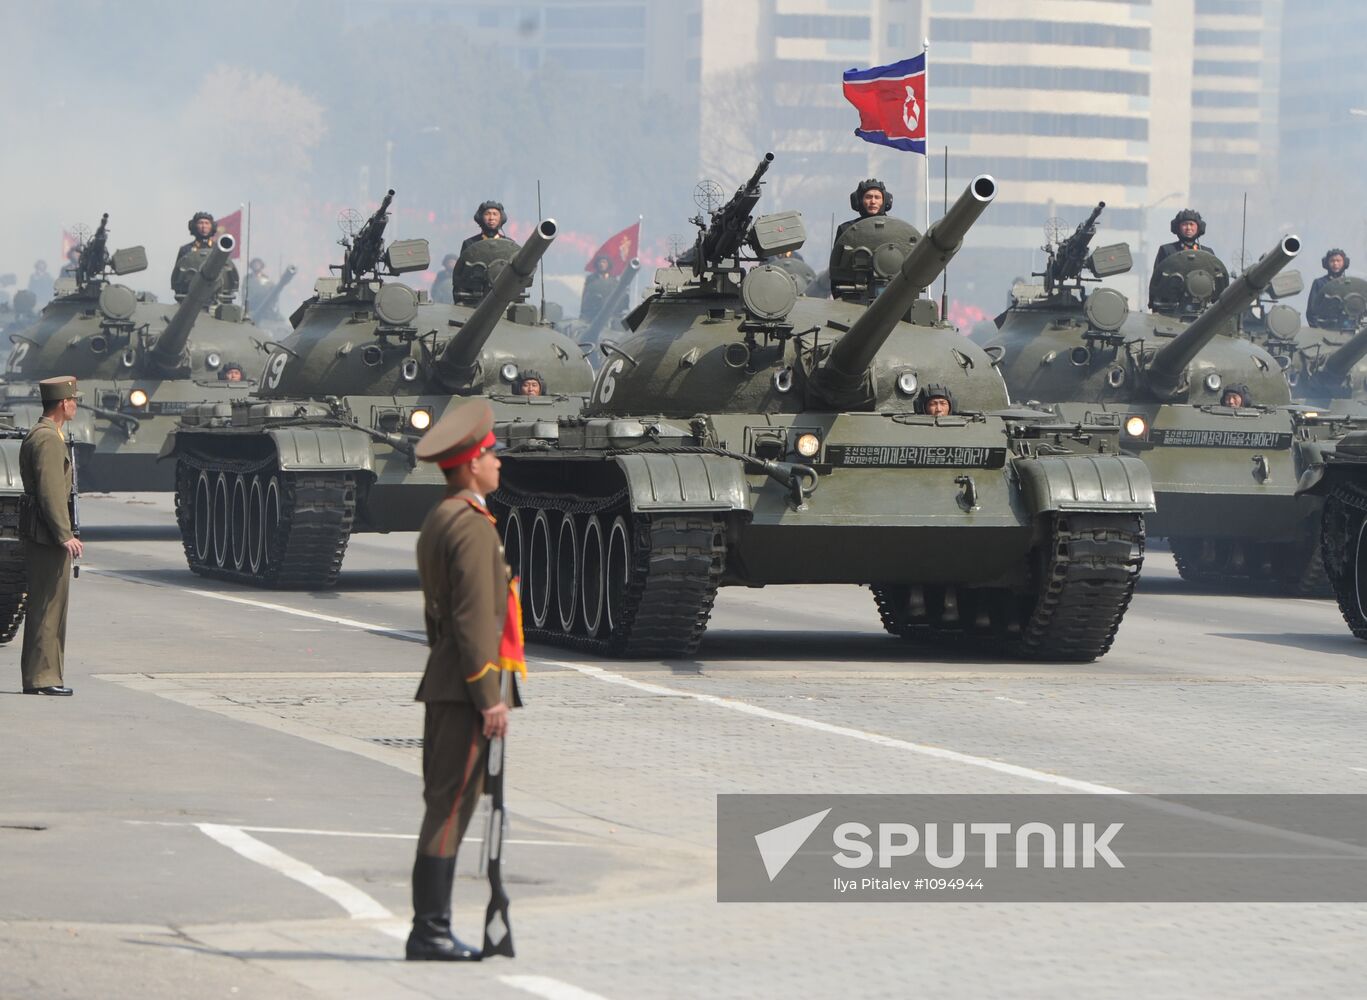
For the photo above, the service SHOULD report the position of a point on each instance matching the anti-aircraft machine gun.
(140, 362)
(739, 433)
(270, 489)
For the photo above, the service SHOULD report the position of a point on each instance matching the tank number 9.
(275, 368)
(607, 382)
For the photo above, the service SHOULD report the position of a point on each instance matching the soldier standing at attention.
(597, 288)
(1335, 263)
(474, 630)
(49, 543)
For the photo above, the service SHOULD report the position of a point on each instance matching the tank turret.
(1166, 370)
(846, 368)
(456, 366)
(168, 354)
(1337, 366)
(264, 307)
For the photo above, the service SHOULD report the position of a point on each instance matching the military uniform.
(597, 289)
(469, 607)
(45, 526)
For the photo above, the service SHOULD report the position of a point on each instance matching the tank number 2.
(607, 382)
(275, 368)
(16, 356)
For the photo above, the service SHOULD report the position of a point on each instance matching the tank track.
(1286, 569)
(13, 581)
(1345, 509)
(304, 552)
(676, 568)
(1085, 577)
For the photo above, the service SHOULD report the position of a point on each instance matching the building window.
(1043, 123)
(1108, 36)
(1230, 39)
(1250, 8)
(1022, 168)
(828, 26)
(1219, 67)
(1224, 130)
(1106, 81)
(1224, 99)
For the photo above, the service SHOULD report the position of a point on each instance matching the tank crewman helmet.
(231, 366)
(58, 388)
(931, 392)
(463, 433)
(195, 218)
(1188, 215)
(484, 206)
(450, 261)
(257, 264)
(1324, 261)
(1241, 389)
(528, 375)
(865, 186)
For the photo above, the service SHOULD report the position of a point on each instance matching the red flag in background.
(619, 249)
(232, 224)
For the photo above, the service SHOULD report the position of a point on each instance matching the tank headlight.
(508, 372)
(907, 383)
(137, 398)
(212, 360)
(1311, 414)
(1213, 382)
(1135, 427)
(420, 419)
(808, 445)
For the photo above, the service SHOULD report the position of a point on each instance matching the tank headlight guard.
(137, 398)
(907, 383)
(1136, 427)
(420, 420)
(1213, 382)
(808, 445)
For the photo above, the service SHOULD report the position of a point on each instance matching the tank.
(13, 582)
(140, 362)
(270, 488)
(1225, 478)
(587, 331)
(742, 434)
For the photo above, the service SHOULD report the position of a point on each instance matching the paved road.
(226, 808)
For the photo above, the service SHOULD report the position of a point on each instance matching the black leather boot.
(431, 939)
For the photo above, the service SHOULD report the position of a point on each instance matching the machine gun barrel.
(456, 365)
(1337, 366)
(273, 295)
(614, 300)
(168, 353)
(731, 222)
(367, 246)
(1070, 257)
(1165, 371)
(94, 254)
(853, 354)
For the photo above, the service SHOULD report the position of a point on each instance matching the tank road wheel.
(203, 517)
(539, 570)
(617, 574)
(591, 569)
(13, 582)
(512, 541)
(270, 524)
(237, 522)
(221, 527)
(256, 516)
(567, 573)
(1085, 575)
(1343, 547)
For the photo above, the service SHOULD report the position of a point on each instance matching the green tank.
(1225, 477)
(140, 362)
(270, 488)
(741, 434)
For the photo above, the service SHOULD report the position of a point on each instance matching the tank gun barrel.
(1166, 369)
(614, 300)
(168, 352)
(844, 370)
(1337, 366)
(456, 365)
(273, 295)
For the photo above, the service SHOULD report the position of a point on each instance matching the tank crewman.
(259, 285)
(597, 288)
(1236, 397)
(441, 284)
(474, 631)
(232, 372)
(1188, 226)
(73, 263)
(491, 218)
(869, 198)
(937, 401)
(40, 282)
(49, 542)
(529, 383)
(202, 228)
(1335, 264)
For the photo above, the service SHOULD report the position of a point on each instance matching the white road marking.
(351, 833)
(359, 905)
(545, 986)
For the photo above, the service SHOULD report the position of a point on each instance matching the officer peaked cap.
(54, 390)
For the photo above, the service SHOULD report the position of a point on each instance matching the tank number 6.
(607, 384)
(276, 368)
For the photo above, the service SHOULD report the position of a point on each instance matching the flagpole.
(925, 112)
(247, 285)
(539, 219)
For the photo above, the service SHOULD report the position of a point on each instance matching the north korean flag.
(891, 102)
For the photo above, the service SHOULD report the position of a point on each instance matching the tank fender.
(684, 481)
(324, 449)
(1098, 483)
(9, 465)
(1331, 464)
